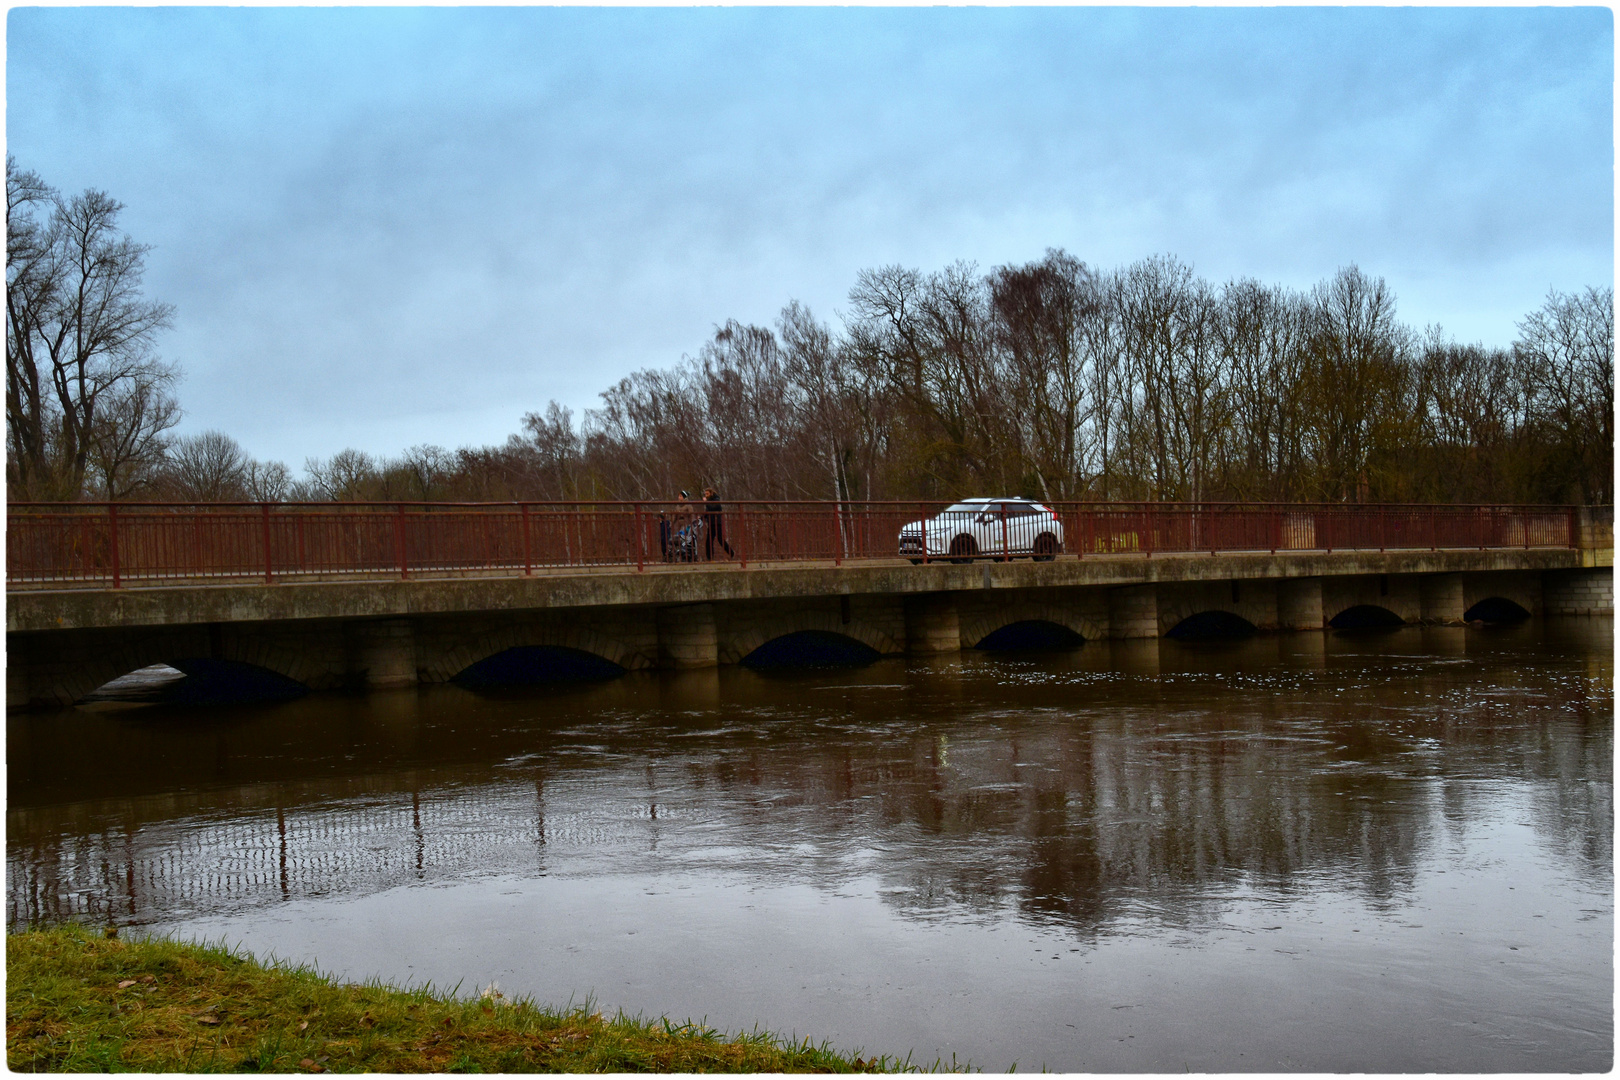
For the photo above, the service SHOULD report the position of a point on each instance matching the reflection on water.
(1135, 809)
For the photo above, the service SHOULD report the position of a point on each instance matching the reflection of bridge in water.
(1142, 794)
(269, 600)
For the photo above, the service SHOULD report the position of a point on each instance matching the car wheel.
(1046, 547)
(916, 562)
(963, 548)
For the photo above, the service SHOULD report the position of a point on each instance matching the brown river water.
(1380, 851)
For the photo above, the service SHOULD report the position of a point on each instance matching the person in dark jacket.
(666, 533)
(714, 531)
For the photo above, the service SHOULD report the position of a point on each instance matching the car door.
(1000, 527)
(987, 529)
(1021, 521)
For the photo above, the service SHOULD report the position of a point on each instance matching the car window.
(965, 508)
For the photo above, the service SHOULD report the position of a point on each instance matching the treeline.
(1055, 381)
(1051, 379)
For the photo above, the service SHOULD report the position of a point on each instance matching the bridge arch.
(741, 637)
(811, 649)
(529, 665)
(1496, 609)
(503, 655)
(1212, 624)
(982, 618)
(1213, 610)
(1366, 617)
(1031, 635)
(84, 662)
(198, 681)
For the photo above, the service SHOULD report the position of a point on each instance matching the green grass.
(82, 1002)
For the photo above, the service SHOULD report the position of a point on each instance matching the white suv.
(976, 528)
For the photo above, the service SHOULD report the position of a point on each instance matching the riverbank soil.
(78, 1002)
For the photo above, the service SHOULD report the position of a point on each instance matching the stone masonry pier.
(61, 645)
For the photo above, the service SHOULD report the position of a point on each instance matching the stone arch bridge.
(62, 645)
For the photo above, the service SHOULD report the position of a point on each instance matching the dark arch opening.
(529, 665)
(1031, 635)
(1366, 617)
(197, 681)
(811, 649)
(1496, 609)
(1211, 626)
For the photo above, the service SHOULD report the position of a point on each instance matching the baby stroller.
(683, 544)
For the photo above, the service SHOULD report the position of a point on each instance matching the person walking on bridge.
(714, 531)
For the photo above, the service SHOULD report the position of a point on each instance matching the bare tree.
(1360, 412)
(1039, 311)
(78, 330)
(210, 467)
(825, 403)
(1567, 351)
(929, 340)
(1154, 296)
(421, 474)
(556, 448)
(131, 433)
(347, 476)
(267, 481)
(32, 276)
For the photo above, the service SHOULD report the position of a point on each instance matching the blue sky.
(384, 227)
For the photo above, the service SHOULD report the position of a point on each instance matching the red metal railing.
(68, 545)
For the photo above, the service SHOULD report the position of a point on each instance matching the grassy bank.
(81, 1002)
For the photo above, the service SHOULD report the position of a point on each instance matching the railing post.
(528, 561)
(742, 537)
(1006, 552)
(1383, 519)
(264, 509)
(399, 541)
(112, 532)
(641, 538)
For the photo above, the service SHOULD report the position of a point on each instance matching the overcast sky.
(384, 227)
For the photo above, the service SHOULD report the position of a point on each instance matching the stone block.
(932, 624)
(1133, 612)
(1299, 604)
(1441, 597)
(382, 653)
(686, 637)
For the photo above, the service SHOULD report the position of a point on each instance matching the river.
(1381, 851)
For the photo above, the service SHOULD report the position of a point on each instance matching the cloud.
(387, 227)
